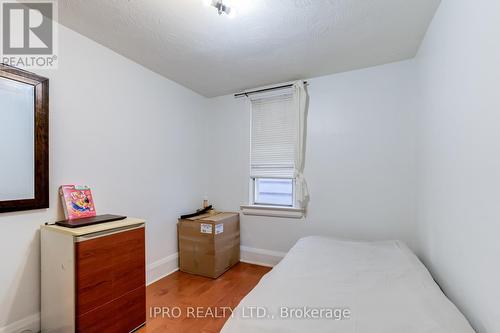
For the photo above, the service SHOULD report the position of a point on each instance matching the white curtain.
(300, 109)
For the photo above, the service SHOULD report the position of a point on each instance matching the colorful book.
(77, 201)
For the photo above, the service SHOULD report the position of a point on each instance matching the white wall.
(459, 210)
(131, 135)
(360, 160)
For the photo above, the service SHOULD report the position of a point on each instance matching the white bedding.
(383, 285)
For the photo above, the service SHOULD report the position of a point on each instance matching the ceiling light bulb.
(221, 6)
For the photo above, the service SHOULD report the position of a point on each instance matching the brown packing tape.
(220, 217)
(206, 215)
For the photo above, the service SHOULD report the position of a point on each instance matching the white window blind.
(274, 135)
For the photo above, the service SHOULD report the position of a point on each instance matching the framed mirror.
(24, 138)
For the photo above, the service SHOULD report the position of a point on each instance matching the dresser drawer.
(129, 264)
(108, 267)
(94, 273)
(122, 315)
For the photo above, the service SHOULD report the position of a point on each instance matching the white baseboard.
(30, 324)
(260, 257)
(168, 265)
(161, 268)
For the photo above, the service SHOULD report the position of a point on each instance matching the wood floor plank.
(184, 294)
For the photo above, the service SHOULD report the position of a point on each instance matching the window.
(276, 162)
(273, 191)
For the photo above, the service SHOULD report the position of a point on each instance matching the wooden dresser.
(93, 278)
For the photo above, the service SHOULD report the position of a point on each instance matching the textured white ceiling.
(273, 41)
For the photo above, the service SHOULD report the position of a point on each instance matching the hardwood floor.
(186, 303)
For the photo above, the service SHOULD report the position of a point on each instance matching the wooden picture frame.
(41, 144)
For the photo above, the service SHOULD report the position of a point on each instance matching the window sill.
(272, 211)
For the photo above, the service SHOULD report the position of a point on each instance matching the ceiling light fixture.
(221, 7)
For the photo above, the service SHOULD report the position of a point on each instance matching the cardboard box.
(209, 244)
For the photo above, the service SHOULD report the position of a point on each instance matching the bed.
(331, 285)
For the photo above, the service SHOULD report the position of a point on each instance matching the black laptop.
(86, 221)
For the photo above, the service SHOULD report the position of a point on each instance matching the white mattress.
(383, 285)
